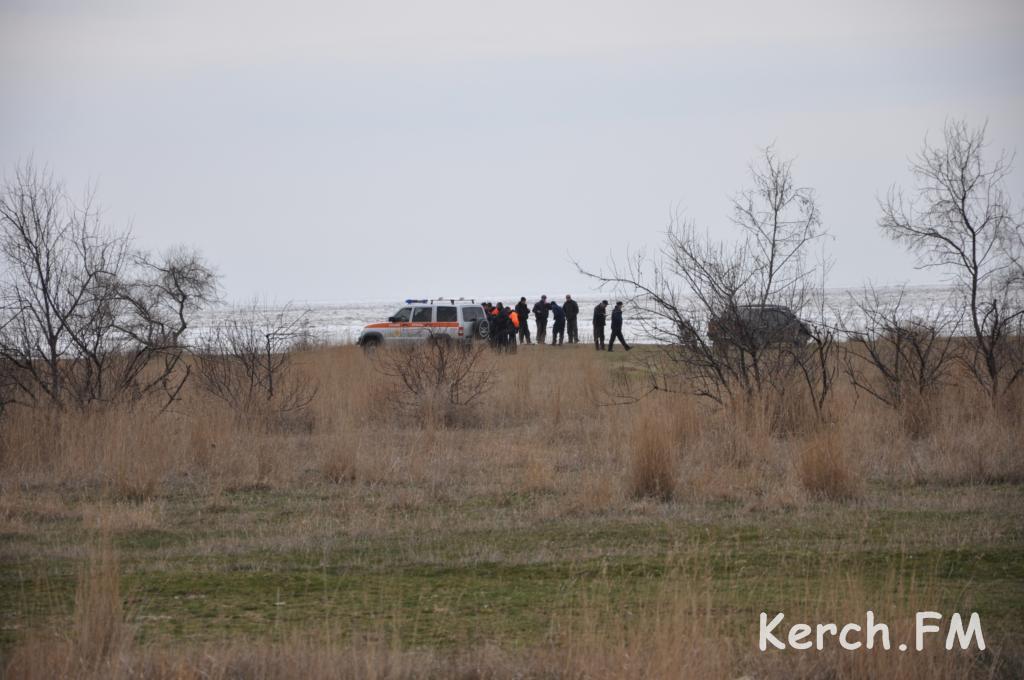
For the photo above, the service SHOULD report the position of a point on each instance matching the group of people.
(509, 325)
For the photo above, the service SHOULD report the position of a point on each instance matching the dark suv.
(755, 327)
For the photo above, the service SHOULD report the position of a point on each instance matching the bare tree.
(247, 360)
(84, 315)
(160, 303)
(59, 266)
(960, 219)
(694, 283)
(779, 219)
(438, 379)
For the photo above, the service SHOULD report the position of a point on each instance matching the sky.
(338, 151)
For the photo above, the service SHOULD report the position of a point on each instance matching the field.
(536, 533)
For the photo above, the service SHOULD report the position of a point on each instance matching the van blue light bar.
(413, 302)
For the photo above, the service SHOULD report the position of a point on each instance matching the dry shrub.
(653, 455)
(825, 471)
(736, 458)
(437, 383)
(338, 461)
(986, 452)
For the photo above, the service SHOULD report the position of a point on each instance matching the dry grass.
(99, 640)
(681, 632)
(825, 470)
(538, 423)
(654, 455)
(538, 455)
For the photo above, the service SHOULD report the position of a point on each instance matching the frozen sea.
(340, 321)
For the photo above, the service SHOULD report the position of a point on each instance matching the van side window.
(421, 314)
(402, 315)
(472, 314)
(447, 314)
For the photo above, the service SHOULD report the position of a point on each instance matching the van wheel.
(482, 329)
(370, 344)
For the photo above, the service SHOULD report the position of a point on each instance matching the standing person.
(513, 330)
(617, 328)
(505, 327)
(523, 311)
(599, 321)
(540, 313)
(497, 325)
(558, 331)
(572, 310)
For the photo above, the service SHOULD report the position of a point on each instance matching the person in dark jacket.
(599, 321)
(572, 310)
(523, 311)
(540, 314)
(558, 330)
(617, 328)
(497, 320)
(508, 341)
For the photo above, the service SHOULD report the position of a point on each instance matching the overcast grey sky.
(341, 150)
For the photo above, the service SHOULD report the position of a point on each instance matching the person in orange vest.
(514, 331)
(497, 323)
(504, 330)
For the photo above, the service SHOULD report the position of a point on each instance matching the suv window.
(447, 314)
(421, 314)
(402, 315)
(472, 313)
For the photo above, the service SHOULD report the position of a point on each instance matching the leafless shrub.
(897, 355)
(339, 462)
(247, 361)
(436, 381)
(961, 220)
(815, 361)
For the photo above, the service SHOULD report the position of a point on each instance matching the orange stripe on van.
(417, 324)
